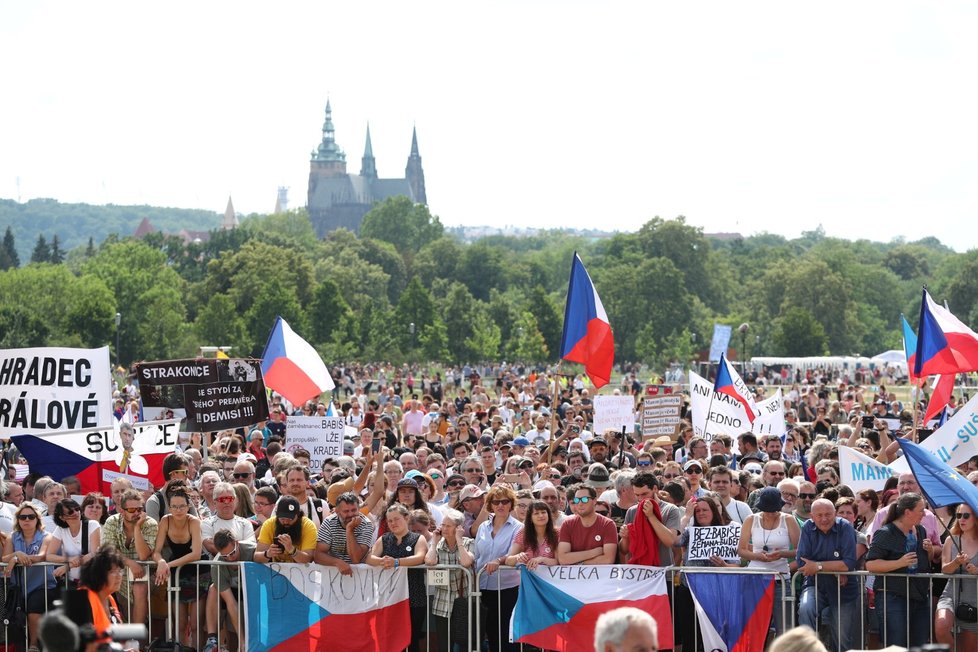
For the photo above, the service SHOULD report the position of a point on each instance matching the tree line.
(407, 289)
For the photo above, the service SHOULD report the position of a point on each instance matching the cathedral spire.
(328, 149)
(414, 173)
(368, 166)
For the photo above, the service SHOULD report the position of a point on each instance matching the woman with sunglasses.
(960, 558)
(493, 541)
(67, 541)
(179, 534)
(24, 547)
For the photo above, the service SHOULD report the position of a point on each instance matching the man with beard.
(286, 537)
(345, 537)
(772, 446)
(599, 450)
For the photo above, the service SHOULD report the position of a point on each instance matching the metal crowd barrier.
(865, 613)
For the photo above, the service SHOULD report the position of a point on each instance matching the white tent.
(894, 356)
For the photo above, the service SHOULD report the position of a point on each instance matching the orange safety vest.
(100, 619)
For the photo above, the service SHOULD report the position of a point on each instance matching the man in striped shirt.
(345, 536)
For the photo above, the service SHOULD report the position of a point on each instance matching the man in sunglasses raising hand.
(133, 533)
(586, 537)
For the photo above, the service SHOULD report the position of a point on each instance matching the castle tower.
(414, 173)
(368, 166)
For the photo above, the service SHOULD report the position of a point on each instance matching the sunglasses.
(963, 515)
(670, 476)
(179, 471)
(455, 485)
(582, 499)
(644, 463)
(435, 476)
(225, 499)
(132, 510)
(27, 517)
(241, 476)
(504, 501)
(694, 471)
(801, 495)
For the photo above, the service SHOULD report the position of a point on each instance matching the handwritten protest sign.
(321, 436)
(714, 541)
(660, 415)
(613, 413)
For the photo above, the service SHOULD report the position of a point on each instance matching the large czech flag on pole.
(733, 610)
(558, 606)
(292, 607)
(587, 337)
(730, 383)
(292, 367)
(944, 344)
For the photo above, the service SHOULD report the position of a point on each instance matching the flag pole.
(555, 422)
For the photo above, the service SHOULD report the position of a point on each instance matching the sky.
(744, 117)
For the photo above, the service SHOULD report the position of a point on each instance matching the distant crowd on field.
(448, 470)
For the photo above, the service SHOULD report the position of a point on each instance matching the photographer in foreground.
(101, 576)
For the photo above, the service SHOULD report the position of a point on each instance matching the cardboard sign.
(714, 541)
(216, 394)
(321, 436)
(51, 389)
(723, 414)
(613, 413)
(660, 415)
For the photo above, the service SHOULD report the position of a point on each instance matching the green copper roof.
(328, 149)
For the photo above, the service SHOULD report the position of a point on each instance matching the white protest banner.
(858, 472)
(94, 455)
(720, 341)
(321, 436)
(727, 416)
(955, 442)
(613, 413)
(660, 415)
(714, 541)
(52, 389)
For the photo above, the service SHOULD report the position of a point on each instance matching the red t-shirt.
(583, 538)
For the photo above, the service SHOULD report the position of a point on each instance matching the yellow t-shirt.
(308, 542)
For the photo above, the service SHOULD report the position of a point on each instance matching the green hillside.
(74, 224)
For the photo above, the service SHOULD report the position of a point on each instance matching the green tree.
(330, 314)
(20, 328)
(57, 255)
(434, 341)
(90, 312)
(798, 333)
(483, 267)
(527, 343)
(485, 340)
(438, 259)
(458, 312)
(166, 334)
(548, 319)
(415, 307)
(8, 251)
(42, 252)
(404, 224)
(219, 324)
(273, 299)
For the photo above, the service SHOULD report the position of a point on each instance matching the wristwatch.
(819, 567)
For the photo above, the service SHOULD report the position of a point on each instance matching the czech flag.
(291, 366)
(944, 344)
(910, 350)
(587, 337)
(733, 611)
(730, 383)
(302, 607)
(558, 606)
(97, 456)
(940, 395)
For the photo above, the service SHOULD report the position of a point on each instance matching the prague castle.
(338, 199)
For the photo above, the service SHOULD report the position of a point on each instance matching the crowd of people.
(492, 478)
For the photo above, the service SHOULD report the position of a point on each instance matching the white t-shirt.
(240, 528)
(6, 518)
(71, 545)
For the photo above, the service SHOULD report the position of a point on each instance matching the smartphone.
(375, 445)
(868, 421)
(510, 477)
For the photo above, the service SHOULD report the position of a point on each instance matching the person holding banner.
(706, 512)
